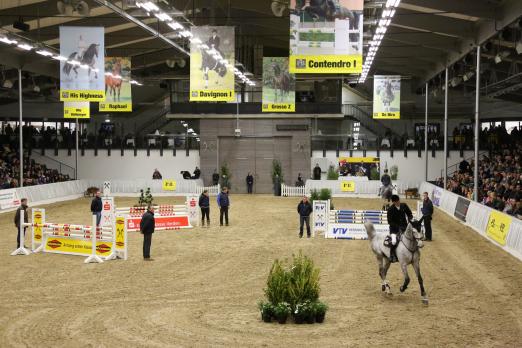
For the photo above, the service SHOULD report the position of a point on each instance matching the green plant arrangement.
(277, 176)
(332, 174)
(145, 198)
(374, 174)
(225, 175)
(293, 288)
(314, 195)
(320, 311)
(322, 195)
(394, 172)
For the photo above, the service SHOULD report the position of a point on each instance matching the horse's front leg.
(404, 268)
(416, 267)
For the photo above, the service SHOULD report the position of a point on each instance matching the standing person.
(304, 208)
(22, 208)
(427, 215)
(96, 207)
(249, 182)
(223, 202)
(317, 172)
(147, 225)
(204, 204)
(385, 181)
(398, 216)
(215, 178)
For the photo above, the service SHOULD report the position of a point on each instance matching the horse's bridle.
(415, 240)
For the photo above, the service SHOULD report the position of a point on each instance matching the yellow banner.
(212, 95)
(326, 64)
(120, 233)
(278, 107)
(37, 219)
(169, 185)
(76, 246)
(498, 227)
(359, 159)
(73, 95)
(115, 107)
(396, 115)
(76, 110)
(347, 186)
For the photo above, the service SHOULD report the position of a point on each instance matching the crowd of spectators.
(34, 173)
(500, 174)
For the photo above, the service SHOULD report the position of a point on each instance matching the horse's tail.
(370, 230)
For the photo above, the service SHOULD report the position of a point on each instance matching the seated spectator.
(156, 175)
(299, 181)
(197, 173)
(186, 174)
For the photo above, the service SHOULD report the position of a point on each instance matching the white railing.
(293, 191)
(212, 190)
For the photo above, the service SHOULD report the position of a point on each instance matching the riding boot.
(393, 255)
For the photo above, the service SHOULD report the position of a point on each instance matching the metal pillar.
(426, 133)
(76, 154)
(446, 130)
(21, 149)
(477, 97)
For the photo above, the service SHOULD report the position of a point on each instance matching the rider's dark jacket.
(398, 217)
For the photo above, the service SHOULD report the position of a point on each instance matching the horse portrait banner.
(118, 96)
(387, 97)
(82, 75)
(278, 85)
(212, 60)
(326, 36)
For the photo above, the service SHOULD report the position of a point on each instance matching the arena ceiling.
(424, 37)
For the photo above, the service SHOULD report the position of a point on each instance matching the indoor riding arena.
(323, 173)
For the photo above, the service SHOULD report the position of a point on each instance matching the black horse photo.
(209, 62)
(88, 58)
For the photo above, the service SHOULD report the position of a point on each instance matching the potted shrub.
(332, 174)
(266, 310)
(281, 312)
(320, 311)
(299, 313)
(309, 312)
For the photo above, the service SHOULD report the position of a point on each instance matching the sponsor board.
(320, 216)
(386, 97)
(73, 246)
(120, 233)
(107, 214)
(436, 195)
(193, 210)
(37, 217)
(353, 231)
(498, 227)
(8, 199)
(169, 185)
(347, 186)
(161, 222)
(76, 110)
(461, 209)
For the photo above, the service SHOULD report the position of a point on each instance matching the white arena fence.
(361, 187)
(500, 229)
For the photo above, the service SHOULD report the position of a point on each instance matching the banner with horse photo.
(387, 97)
(212, 60)
(278, 85)
(326, 36)
(82, 75)
(118, 95)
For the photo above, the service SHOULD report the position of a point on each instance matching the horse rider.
(398, 214)
(385, 181)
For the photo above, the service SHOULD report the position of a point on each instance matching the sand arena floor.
(202, 288)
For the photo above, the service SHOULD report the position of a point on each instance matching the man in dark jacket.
(223, 202)
(249, 182)
(304, 208)
(204, 205)
(317, 172)
(197, 173)
(147, 225)
(399, 214)
(427, 213)
(22, 208)
(96, 207)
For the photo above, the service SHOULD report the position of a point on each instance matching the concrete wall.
(411, 168)
(103, 167)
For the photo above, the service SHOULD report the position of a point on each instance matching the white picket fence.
(212, 190)
(292, 191)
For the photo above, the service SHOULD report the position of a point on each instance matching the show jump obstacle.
(347, 223)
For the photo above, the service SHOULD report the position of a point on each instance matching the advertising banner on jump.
(76, 110)
(118, 96)
(210, 51)
(387, 97)
(82, 75)
(278, 85)
(326, 37)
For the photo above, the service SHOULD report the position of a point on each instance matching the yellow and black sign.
(359, 159)
(387, 115)
(120, 233)
(278, 108)
(73, 95)
(498, 227)
(38, 218)
(169, 185)
(326, 64)
(115, 107)
(347, 186)
(76, 110)
(213, 95)
(76, 246)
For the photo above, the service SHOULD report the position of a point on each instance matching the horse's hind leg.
(383, 269)
(416, 267)
(404, 268)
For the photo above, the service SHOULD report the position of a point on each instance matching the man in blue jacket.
(427, 214)
(304, 208)
(223, 202)
(204, 204)
(147, 225)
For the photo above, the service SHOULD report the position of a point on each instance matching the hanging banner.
(211, 49)
(76, 110)
(387, 97)
(278, 85)
(326, 37)
(82, 75)
(118, 96)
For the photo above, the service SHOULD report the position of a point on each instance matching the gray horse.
(407, 252)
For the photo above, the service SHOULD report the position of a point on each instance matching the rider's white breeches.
(394, 238)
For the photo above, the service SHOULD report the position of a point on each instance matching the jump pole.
(93, 257)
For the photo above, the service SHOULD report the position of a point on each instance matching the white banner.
(82, 75)
(107, 217)
(386, 97)
(8, 199)
(193, 210)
